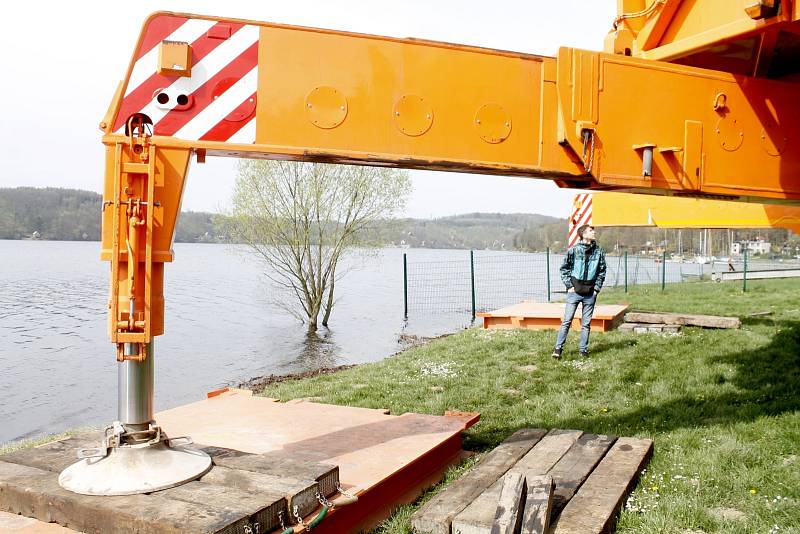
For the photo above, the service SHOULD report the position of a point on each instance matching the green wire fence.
(487, 280)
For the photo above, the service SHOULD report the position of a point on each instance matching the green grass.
(721, 405)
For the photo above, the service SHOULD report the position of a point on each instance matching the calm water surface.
(57, 368)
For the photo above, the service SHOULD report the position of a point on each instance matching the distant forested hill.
(497, 231)
(74, 215)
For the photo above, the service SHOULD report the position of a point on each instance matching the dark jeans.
(586, 321)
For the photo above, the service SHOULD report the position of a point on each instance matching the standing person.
(583, 273)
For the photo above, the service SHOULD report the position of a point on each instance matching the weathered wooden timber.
(538, 505)
(594, 472)
(437, 514)
(683, 319)
(644, 328)
(594, 508)
(511, 504)
(326, 475)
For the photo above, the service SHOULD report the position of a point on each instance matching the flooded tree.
(302, 218)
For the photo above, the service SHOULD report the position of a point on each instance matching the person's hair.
(583, 228)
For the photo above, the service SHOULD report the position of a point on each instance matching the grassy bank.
(721, 405)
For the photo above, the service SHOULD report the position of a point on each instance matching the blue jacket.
(584, 262)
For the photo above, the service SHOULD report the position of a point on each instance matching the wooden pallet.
(574, 483)
(548, 316)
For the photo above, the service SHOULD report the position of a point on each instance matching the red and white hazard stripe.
(219, 99)
(581, 214)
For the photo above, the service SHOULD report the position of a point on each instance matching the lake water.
(58, 369)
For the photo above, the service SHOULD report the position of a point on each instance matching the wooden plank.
(35, 493)
(326, 475)
(594, 508)
(706, 321)
(548, 452)
(538, 504)
(437, 514)
(54, 456)
(477, 516)
(510, 505)
(300, 493)
(650, 327)
(573, 468)
(262, 507)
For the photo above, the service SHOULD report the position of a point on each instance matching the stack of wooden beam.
(561, 482)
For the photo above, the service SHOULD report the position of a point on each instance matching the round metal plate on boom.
(493, 123)
(729, 133)
(326, 107)
(413, 115)
(773, 140)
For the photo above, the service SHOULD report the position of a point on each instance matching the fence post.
(472, 279)
(744, 277)
(663, 270)
(405, 286)
(548, 274)
(626, 271)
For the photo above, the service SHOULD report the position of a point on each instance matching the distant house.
(756, 246)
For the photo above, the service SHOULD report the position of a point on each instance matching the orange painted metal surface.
(620, 209)
(548, 316)
(584, 119)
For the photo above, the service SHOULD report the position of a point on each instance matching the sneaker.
(584, 354)
(557, 354)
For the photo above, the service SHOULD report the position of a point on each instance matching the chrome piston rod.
(135, 401)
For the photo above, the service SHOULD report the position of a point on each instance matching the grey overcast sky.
(61, 61)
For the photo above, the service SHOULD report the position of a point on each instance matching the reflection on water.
(57, 368)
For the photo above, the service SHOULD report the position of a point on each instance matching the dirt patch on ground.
(258, 384)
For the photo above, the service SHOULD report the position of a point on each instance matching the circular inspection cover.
(413, 115)
(493, 123)
(729, 133)
(326, 107)
(773, 140)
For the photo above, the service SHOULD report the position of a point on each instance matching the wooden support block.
(640, 328)
(548, 452)
(437, 514)
(538, 504)
(326, 475)
(510, 505)
(300, 493)
(54, 456)
(261, 507)
(35, 493)
(706, 321)
(573, 468)
(477, 516)
(594, 508)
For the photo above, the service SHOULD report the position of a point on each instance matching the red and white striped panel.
(581, 214)
(220, 94)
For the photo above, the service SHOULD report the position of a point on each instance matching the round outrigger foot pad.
(132, 469)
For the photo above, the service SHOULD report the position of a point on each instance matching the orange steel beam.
(620, 209)
(227, 87)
